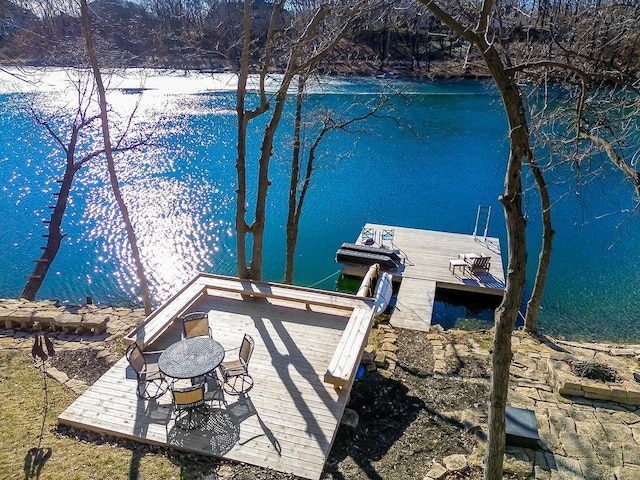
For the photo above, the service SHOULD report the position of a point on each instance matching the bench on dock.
(346, 358)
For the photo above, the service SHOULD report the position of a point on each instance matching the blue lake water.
(428, 163)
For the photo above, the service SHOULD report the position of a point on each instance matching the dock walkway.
(426, 268)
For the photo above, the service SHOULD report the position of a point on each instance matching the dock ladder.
(484, 214)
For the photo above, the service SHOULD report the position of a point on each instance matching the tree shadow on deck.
(243, 409)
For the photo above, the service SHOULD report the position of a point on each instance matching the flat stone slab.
(6, 313)
(95, 322)
(566, 469)
(21, 318)
(456, 462)
(521, 427)
(68, 321)
(44, 318)
(436, 472)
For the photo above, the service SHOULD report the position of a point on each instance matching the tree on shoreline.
(83, 119)
(479, 27)
(309, 41)
(301, 174)
(108, 150)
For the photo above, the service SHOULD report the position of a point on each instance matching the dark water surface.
(428, 163)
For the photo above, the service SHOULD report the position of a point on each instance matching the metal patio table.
(190, 358)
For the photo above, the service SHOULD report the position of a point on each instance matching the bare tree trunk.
(102, 99)
(385, 39)
(466, 57)
(54, 236)
(242, 229)
(544, 258)
(266, 151)
(292, 218)
(244, 117)
(511, 200)
(507, 312)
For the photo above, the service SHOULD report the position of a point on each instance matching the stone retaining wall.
(48, 315)
(626, 391)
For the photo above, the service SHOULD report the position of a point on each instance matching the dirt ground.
(405, 421)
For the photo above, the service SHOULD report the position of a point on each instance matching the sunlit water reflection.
(436, 156)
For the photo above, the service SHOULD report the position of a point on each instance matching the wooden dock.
(426, 268)
(288, 421)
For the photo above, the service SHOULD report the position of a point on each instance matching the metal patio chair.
(196, 324)
(235, 373)
(387, 234)
(151, 381)
(188, 401)
(368, 236)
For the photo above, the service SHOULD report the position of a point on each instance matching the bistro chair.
(151, 381)
(387, 234)
(368, 236)
(186, 402)
(196, 324)
(235, 373)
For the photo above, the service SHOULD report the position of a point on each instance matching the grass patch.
(26, 455)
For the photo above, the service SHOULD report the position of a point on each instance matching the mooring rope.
(325, 278)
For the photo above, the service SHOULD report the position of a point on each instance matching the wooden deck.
(289, 419)
(426, 268)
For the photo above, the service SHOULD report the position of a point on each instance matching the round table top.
(191, 357)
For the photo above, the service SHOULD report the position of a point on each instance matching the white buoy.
(383, 292)
(369, 280)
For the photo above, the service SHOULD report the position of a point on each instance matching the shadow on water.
(463, 310)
